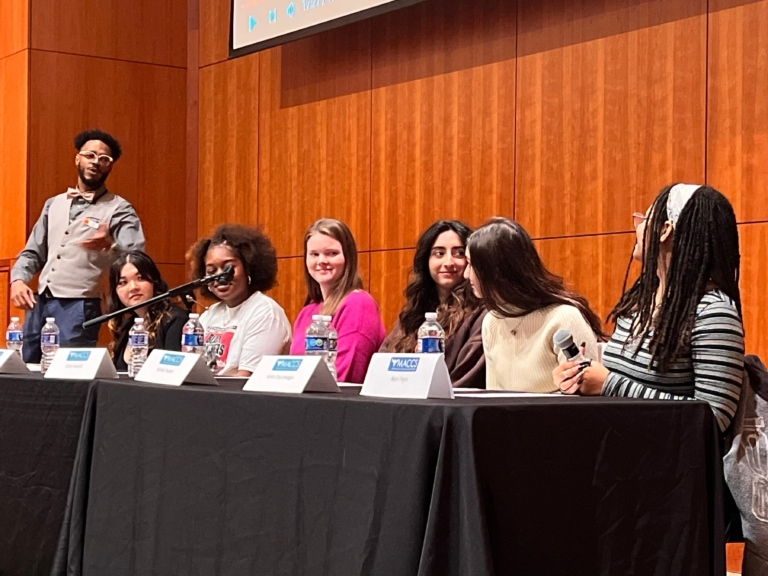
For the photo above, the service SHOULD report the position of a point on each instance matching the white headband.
(678, 197)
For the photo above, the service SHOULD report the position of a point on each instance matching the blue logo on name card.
(283, 365)
(403, 364)
(171, 360)
(78, 355)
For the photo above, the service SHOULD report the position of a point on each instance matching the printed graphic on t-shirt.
(217, 343)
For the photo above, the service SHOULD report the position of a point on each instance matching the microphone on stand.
(224, 277)
(221, 278)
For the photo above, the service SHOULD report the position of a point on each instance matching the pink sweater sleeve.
(361, 332)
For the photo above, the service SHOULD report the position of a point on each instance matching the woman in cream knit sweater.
(527, 304)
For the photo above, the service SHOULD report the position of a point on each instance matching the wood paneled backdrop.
(565, 115)
(57, 78)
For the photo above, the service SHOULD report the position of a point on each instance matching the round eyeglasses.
(101, 159)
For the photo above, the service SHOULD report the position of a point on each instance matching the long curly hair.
(156, 314)
(512, 278)
(250, 245)
(421, 293)
(705, 250)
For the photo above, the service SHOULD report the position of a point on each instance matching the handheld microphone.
(563, 339)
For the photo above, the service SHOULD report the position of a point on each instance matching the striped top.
(710, 370)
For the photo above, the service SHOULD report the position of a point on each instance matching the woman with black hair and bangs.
(437, 285)
(679, 332)
(133, 279)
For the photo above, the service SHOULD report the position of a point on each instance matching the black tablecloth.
(205, 481)
(39, 428)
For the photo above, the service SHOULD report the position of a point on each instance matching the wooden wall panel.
(174, 274)
(443, 117)
(143, 106)
(389, 277)
(14, 27)
(592, 265)
(214, 31)
(229, 143)
(291, 289)
(139, 30)
(737, 139)
(753, 239)
(315, 135)
(13, 152)
(610, 108)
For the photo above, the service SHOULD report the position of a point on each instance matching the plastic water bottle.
(333, 337)
(138, 340)
(49, 343)
(316, 338)
(193, 335)
(14, 335)
(431, 336)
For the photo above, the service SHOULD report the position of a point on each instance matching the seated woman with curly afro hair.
(245, 324)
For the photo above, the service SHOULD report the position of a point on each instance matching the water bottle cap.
(316, 317)
(51, 319)
(327, 318)
(138, 321)
(194, 316)
(14, 318)
(430, 315)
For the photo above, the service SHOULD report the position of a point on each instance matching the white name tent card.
(292, 375)
(418, 376)
(11, 363)
(81, 364)
(174, 369)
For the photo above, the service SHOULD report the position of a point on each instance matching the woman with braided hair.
(679, 333)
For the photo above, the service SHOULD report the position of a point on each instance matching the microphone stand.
(221, 277)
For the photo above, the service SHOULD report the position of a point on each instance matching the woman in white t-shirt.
(245, 324)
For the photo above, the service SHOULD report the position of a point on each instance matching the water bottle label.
(14, 336)
(49, 339)
(315, 344)
(332, 344)
(430, 345)
(139, 340)
(193, 340)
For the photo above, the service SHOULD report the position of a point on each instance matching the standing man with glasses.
(72, 245)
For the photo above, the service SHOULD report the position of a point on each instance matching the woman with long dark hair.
(526, 305)
(334, 288)
(679, 333)
(437, 284)
(133, 279)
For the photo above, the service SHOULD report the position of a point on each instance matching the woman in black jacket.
(134, 278)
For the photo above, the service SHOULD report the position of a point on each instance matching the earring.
(249, 280)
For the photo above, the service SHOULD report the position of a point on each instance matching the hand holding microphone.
(577, 373)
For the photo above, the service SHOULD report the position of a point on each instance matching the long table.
(198, 480)
(39, 431)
